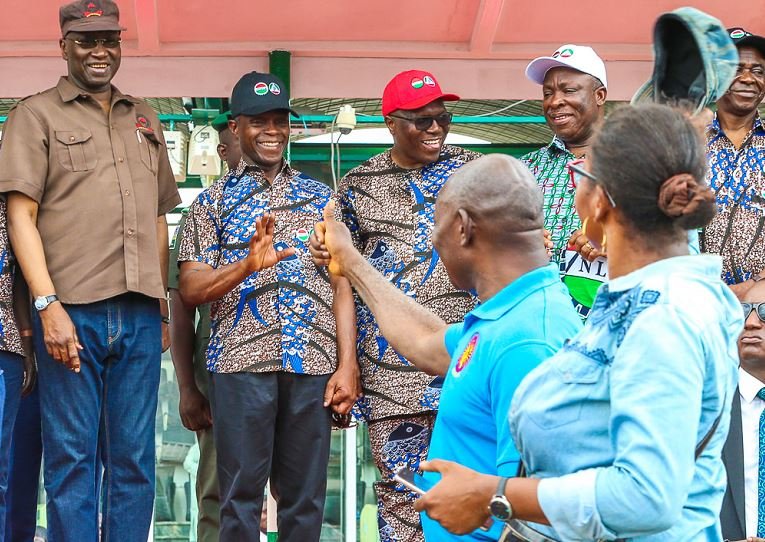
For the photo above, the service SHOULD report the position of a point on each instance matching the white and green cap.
(576, 57)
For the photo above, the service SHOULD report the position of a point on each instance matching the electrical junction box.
(176, 152)
(203, 152)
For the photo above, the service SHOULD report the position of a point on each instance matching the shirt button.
(127, 192)
(130, 232)
(120, 159)
(71, 138)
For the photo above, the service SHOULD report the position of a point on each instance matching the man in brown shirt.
(89, 183)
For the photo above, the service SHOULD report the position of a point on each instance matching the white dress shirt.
(751, 409)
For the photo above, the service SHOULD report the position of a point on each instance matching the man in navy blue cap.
(279, 365)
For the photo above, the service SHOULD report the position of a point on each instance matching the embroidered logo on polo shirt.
(467, 355)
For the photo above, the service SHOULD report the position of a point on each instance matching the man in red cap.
(89, 183)
(387, 203)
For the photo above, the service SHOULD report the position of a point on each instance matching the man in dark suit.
(746, 476)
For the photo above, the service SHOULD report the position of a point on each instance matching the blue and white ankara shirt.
(611, 422)
(737, 176)
(278, 319)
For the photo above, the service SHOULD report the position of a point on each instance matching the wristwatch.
(499, 507)
(42, 302)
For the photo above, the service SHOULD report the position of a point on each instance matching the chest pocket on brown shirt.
(76, 150)
(149, 149)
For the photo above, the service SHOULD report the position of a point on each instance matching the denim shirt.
(611, 422)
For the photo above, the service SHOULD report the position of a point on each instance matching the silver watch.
(499, 507)
(42, 302)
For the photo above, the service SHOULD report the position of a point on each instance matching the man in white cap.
(574, 85)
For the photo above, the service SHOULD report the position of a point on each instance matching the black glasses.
(758, 307)
(108, 43)
(424, 123)
(576, 172)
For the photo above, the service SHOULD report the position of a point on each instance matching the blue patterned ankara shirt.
(278, 319)
(611, 422)
(737, 176)
(389, 211)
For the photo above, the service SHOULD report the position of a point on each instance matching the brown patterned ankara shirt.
(389, 211)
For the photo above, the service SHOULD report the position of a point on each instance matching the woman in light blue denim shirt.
(609, 426)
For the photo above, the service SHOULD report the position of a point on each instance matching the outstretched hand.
(263, 254)
(336, 239)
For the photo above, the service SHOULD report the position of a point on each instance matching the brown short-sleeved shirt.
(389, 211)
(278, 319)
(100, 181)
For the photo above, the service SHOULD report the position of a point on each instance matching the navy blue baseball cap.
(257, 93)
(743, 38)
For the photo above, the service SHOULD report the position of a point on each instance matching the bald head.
(498, 192)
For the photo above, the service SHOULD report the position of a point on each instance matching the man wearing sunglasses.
(574, 89)
(89, 183)
(736, 154)
(388, 204)
(740, 516)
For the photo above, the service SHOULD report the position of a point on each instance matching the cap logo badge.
(92, 11)
(274, 88)
(417, 82)
(565, 53)
(738, 33)
(261, 89)
(428, 80)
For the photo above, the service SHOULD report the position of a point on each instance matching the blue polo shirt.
(499, 342)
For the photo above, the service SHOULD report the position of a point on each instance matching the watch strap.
(501, 487)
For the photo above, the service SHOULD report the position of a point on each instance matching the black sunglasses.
(109, 43)
(424, 123)
(758, 307)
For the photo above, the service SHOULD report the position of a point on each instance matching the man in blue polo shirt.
(488, 231)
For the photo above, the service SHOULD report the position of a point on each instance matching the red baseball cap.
(412, 89)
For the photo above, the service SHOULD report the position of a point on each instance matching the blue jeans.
(109, 409)
(24, 472)
(12, 369)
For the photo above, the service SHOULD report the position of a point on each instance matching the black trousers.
(271, 424)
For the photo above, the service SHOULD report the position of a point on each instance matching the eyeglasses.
(758, 307)
(92, 44)
(424, 123)
(576, 172)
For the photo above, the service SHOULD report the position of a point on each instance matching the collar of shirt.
(748, 385)
(256, 172)
(714, 127)
(514, 293)
(557, 145)
(70, 92)
(447, 151)
(704, 265)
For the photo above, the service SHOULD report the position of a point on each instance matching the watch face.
(500, 508)
(40, 303)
